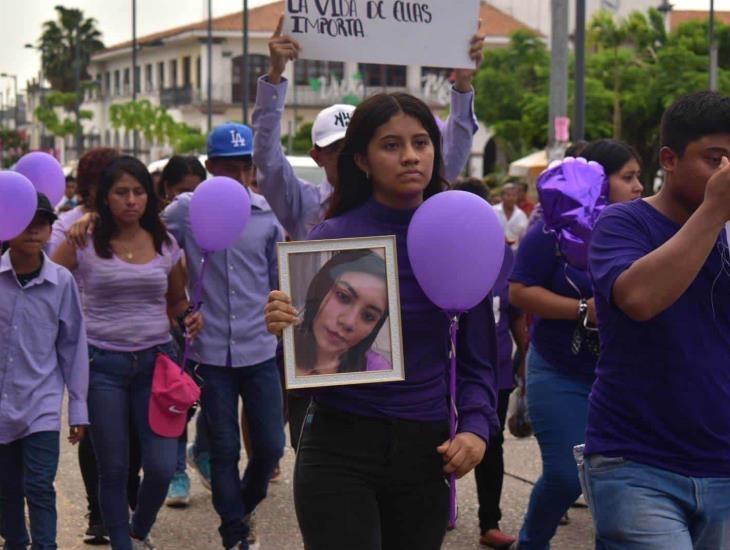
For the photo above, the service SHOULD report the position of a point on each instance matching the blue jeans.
(260, 389)
(27, 470)
(200, 447)
(640, 507)
(119, 388)
(558, 408)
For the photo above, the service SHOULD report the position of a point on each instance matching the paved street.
(196, 527)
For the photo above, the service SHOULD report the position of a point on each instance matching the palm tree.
(58, 46)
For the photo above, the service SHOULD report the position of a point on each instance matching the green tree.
(301, 141)
(55, 113)
(156, 124)
(13, 145)
(58, 47)
(634, 70)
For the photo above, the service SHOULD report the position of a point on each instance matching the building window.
(107, 138)
(148, 78)
(307, 69)
(117, 86)
(107, 83)
(374, 75)
(257, 66)
(438, 72)
(198, 72)
(173, 73)
(137, 79)
(125, 82)
(186, 71)
(160, 75)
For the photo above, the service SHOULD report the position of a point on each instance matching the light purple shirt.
(43, 348)
(236, 286)
(61, 227)
(300, 205)
(125, 305)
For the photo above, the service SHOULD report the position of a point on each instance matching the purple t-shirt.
(503, 313)
(125, 305)
(539, 263)
(423, 395)
(662, 390)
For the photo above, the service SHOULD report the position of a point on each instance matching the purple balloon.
(573, 193)
(18, 203)
(219, 211)
(456, 248)
(45, 173)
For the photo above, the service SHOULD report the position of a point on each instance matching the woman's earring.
(367, 175)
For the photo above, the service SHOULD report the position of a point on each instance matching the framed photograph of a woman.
(346, 294)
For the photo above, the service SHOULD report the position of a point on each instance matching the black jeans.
(370, 484)
(489, 473)
(296, 408)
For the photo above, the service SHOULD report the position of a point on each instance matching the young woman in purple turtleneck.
(373, 459)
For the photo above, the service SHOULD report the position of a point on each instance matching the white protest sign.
(434, 33)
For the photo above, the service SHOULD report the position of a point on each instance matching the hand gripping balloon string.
(197, 302)
(453, 414)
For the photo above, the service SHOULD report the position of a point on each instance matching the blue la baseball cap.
(230, 140)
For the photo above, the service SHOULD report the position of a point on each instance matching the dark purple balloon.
(573, 193)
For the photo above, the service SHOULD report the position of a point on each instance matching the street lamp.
(15, 93)
(40, 89)
(713, 48)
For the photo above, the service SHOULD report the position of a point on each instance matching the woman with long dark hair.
(345, 308)
(563, 352)
(372, 459)
(131, 274)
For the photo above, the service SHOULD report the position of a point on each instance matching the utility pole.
(713, 49)
(580, 70)
(244, 65)
(77, 105)
(135, 135)
(558, 66)
(210, 66)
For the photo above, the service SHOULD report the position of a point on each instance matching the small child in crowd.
(44, 349)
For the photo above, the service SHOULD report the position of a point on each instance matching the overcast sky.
(21, 21)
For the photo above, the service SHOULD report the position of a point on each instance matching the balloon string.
(453, 414)
(197, 302)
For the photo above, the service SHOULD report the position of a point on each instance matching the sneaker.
(96, 533)
(178, 494)
(250, 520)
(145, 544)
(200, 463)
(494, 538)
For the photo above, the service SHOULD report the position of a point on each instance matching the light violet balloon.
(456, 248)
(18, 203)
(45, 173)
(219, 211)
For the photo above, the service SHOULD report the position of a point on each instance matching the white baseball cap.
(331, 124)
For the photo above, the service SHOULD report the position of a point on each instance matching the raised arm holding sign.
(299, 205)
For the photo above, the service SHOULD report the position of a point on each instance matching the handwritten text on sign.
(434, 33)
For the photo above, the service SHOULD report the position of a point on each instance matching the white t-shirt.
(515, 227)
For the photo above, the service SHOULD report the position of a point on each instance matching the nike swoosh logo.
(174, 409)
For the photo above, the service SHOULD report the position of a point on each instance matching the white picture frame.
(325, 274)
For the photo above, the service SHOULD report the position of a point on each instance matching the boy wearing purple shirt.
(656, 470)
(44, 349)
